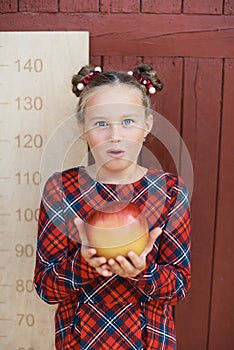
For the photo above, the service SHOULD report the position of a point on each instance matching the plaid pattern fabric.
(95, 312)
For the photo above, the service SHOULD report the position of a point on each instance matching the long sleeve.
(168, 279)
(60, 269)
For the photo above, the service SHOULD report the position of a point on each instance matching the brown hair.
(114, 78)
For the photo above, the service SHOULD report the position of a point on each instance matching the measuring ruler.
(35, 104)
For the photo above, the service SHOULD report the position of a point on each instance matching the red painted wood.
(201, 123)
(229, 7)
(120, 6)
(38, 6)
(203, 7)
(120, 62)
(222, 315)
(79, 6)
(115, 34)
(168, 101)
(168, 104)
(8, 6)
(95, 60)
(161, 6)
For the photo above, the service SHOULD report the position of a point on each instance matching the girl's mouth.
(115, 153)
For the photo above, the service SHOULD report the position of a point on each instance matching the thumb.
(153, 235)
(79, 222)
(80, 225)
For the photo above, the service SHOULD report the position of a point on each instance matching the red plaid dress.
(100, 313)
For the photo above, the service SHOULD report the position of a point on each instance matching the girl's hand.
(134, 264)
(89, 254)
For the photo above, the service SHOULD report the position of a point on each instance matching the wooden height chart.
(35, 103)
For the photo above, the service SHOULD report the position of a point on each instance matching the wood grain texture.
(229, 7)
(160, 149)
(161, 6)
(38, 6)
(222, 315)
(201, 123)
(124, 63)
(79, 6)
(95, 60)
(120, 6)
(168, 101)
(8, 6)
(203, 7)
(144, 34)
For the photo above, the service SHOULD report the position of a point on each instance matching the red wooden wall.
(191, 45)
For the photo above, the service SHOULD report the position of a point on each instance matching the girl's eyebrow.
(122, 116)
(97, 118)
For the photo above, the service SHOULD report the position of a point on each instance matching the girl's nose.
(115, 132)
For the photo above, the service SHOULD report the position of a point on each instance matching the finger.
(88, 252)
(126, 265)
(154, 234)
(79, 222)
(80, 225)
(138, 261)
(114, 266)
(121, 266)
(104, 270)
(97, 261)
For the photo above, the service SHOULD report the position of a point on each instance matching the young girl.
(126, 302)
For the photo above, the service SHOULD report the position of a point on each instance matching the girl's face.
(115, 126)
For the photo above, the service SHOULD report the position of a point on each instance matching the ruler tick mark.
(6, 319)
(5, 285)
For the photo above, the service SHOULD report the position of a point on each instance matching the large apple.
(116, 229)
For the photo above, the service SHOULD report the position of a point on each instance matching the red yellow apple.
(116, 229)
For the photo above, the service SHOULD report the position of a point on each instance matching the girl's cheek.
(95, 138)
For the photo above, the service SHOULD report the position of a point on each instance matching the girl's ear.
(149, 124)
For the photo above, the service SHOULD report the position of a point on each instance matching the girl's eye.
(128, 121)
(102, 123)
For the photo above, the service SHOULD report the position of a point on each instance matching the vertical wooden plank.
(168, 101)
(38, 6)
(124, 63)
(222, 315)
(168, 104)
(228, 7)
(120, 6)
(95, 60)
(8, 6)
(46, 62)
(204, 7)
(161, 6)
(79, 6)
(201, 122)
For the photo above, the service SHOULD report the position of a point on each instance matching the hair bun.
(77, 78)
(146, 71)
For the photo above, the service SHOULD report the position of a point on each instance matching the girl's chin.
(116, 166)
